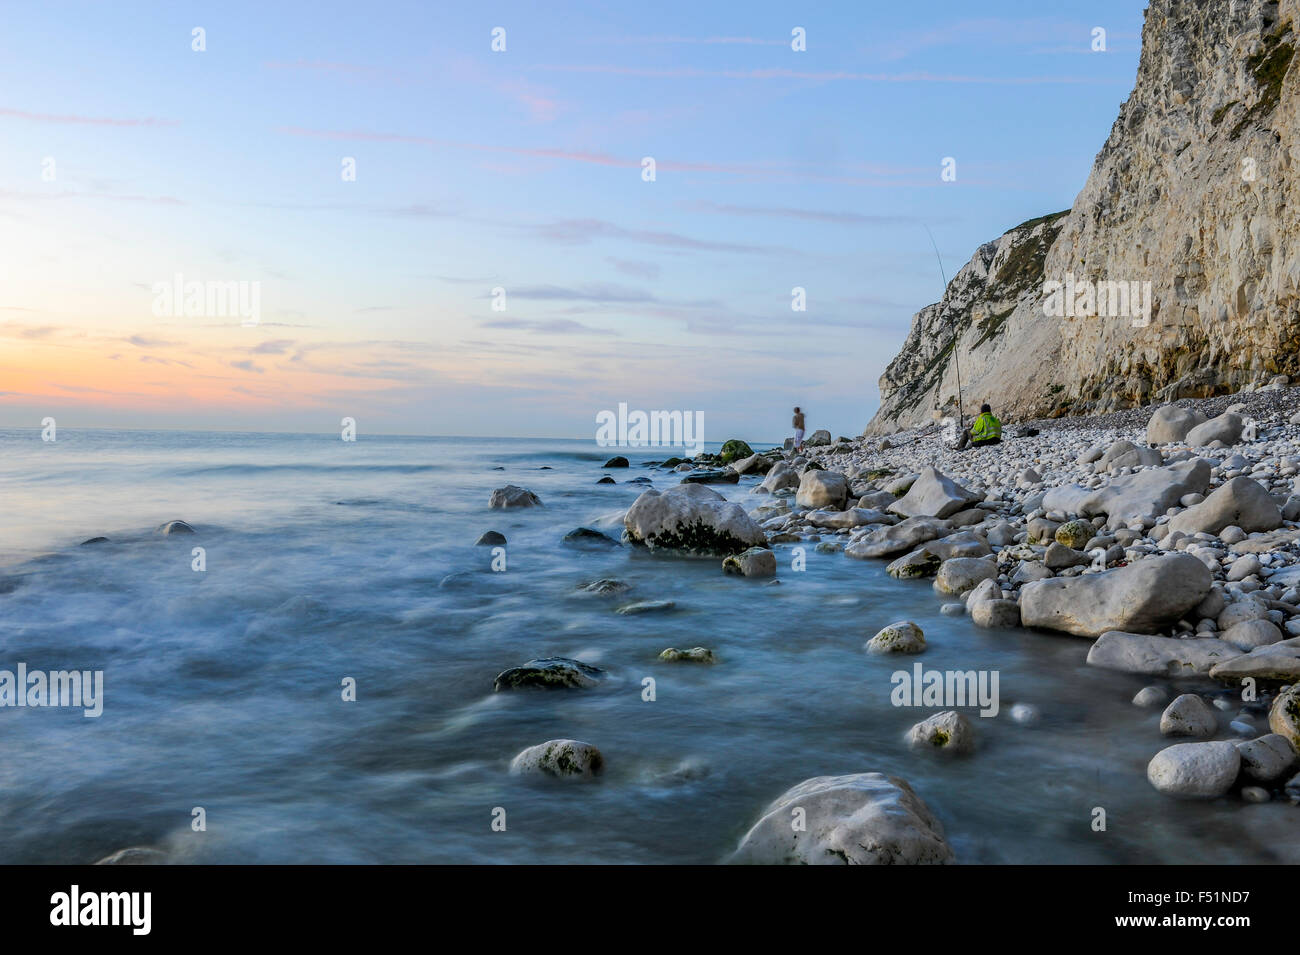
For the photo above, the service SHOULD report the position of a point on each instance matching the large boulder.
(818, 438)
(1241, 502)
(934, 494)
(905, 535)
(1170, 423)
(734, 450)
(960, 574)
(1227, 428)
(1195, 770)
(780, 477)
(823, 489)
(1140, 598)
(1160, 656)
(691, 519)
(513, 496)
(858, 819)
(1145, 495)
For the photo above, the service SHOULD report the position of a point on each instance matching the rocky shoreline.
(1169, 537)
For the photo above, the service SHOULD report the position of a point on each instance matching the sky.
(502, 263)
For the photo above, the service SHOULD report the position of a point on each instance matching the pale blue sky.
(519, 169)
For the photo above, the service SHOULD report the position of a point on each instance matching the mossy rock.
(1075, 534)
(734, 450)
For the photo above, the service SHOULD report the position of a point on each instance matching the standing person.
(985, 429)
(798, 429)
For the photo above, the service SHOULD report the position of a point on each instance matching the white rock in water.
(563, 758)
(1159, 656)
(859, 819)
(1189, 715)
(691, 519)
(1151, 696)
(1142, 597)
(948, 731)
(900, 637)
(1195, 770)
(1025, 714)
(824, 489)
(781, 476)
(934, 495)
(1268, 758)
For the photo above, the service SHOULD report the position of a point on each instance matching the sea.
(308, 678)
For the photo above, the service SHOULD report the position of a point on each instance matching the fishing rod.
(961, 415)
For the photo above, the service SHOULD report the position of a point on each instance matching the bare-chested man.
(798, 430)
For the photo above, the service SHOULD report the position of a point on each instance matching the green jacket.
(985, 428)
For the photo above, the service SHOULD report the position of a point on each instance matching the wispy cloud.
(69, 118)
(582, 231)
(822, 76)
(794, 212)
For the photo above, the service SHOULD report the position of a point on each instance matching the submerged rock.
(726, 476)
(858, 819)
(605, 587)
(754, 562)
(618, 461)
(135, 855)
(588, 537)
(646, 606)
(948, 731)
(513, 496)
(175, 527)
(551, 673)
(693, 655)
(491, 539)
(561, 758)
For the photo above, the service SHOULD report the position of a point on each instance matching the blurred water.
(223, 688)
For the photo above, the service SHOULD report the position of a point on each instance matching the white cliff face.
(1194, 192)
